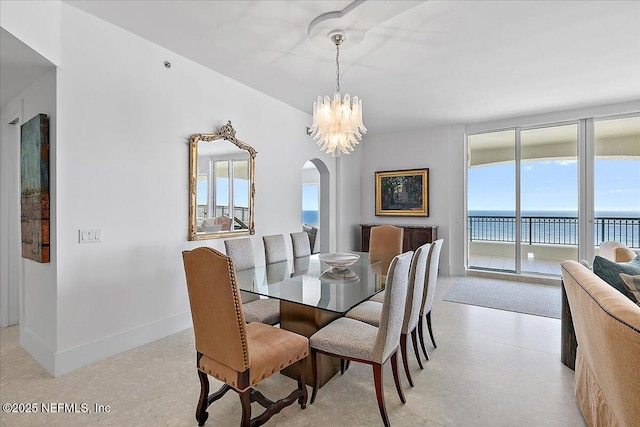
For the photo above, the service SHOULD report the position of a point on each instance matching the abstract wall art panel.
(34, 188)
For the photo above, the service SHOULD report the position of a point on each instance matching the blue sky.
(310, 197)
(553, 185)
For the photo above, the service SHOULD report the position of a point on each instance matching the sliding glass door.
(539, 195)
(617, 181)
(522, 199)
(491, 201)
(549, 197)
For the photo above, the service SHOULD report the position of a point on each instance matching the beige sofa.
(607, 369)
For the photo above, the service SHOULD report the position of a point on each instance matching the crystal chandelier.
(337, 124)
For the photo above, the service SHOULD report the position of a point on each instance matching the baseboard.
(40, 351)
(456, 270)
(77, 357)
(513, 277)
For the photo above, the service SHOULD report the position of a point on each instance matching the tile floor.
(491, 368)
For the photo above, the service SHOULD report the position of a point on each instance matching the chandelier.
(337, 123)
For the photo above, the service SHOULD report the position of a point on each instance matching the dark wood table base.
(306, 320)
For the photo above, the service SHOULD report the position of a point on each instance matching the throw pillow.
(609, 271)
(632, 285)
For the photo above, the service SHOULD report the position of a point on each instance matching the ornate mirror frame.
(226, 133)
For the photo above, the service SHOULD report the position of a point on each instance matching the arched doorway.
(315, 201)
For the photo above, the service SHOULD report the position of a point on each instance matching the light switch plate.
(90, 235)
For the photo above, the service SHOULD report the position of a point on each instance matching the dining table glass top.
(311, 282)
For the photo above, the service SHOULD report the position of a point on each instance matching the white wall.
(457, 201)
(37, 281)
(123, 121)
(349, 196)
(428, 148)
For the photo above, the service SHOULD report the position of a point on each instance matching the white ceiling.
(19, 67)
(420, 64)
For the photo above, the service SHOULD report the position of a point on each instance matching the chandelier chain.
(337, 66)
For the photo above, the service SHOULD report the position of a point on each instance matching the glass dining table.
(313, 294)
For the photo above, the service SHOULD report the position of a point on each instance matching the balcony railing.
(553, 230)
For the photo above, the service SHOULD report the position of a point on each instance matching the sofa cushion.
(609, 271)
(632, 286)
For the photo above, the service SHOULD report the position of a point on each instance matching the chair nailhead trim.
(236, 298)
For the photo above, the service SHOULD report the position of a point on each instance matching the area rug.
(528, 298)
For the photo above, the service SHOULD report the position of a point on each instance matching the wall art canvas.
(34, 188)
(402, 193)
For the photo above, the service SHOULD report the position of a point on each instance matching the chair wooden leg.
(396, 377)
(430, 329)
(414, 340)
(314, 368)
(377, 379)
(405, 363)
(245, 401)
(201, 410)
(302, 400)
(421, 334)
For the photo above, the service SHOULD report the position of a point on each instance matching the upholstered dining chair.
(300, 244)
(275, 249)
(210, 226)
(301, 265)
(276, 272)
(238, 354)
(224, 222)
(256, 309)
(313, 233)
(385, 242)
(371, 311)
(358, 341)
(429, 294)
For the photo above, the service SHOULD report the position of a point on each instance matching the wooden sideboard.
(414, 236)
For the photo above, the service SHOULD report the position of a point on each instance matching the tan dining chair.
(224, 222)
(429, 293)
(256, 309)
(275, 249)
(357, 341)
(385, 242)
(300, 244)
(210, 226)
(371, 311)
(240, 355)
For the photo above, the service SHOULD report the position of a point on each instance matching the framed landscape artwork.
(402, 193)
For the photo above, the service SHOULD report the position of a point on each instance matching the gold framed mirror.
(221, 185)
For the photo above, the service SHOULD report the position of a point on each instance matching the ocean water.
(559, 213)
(310, 217)
(548, 227)
(553, 227)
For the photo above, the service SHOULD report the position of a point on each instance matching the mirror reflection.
(221, 185)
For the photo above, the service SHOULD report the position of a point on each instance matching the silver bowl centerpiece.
(339, 271)
(340, 260)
